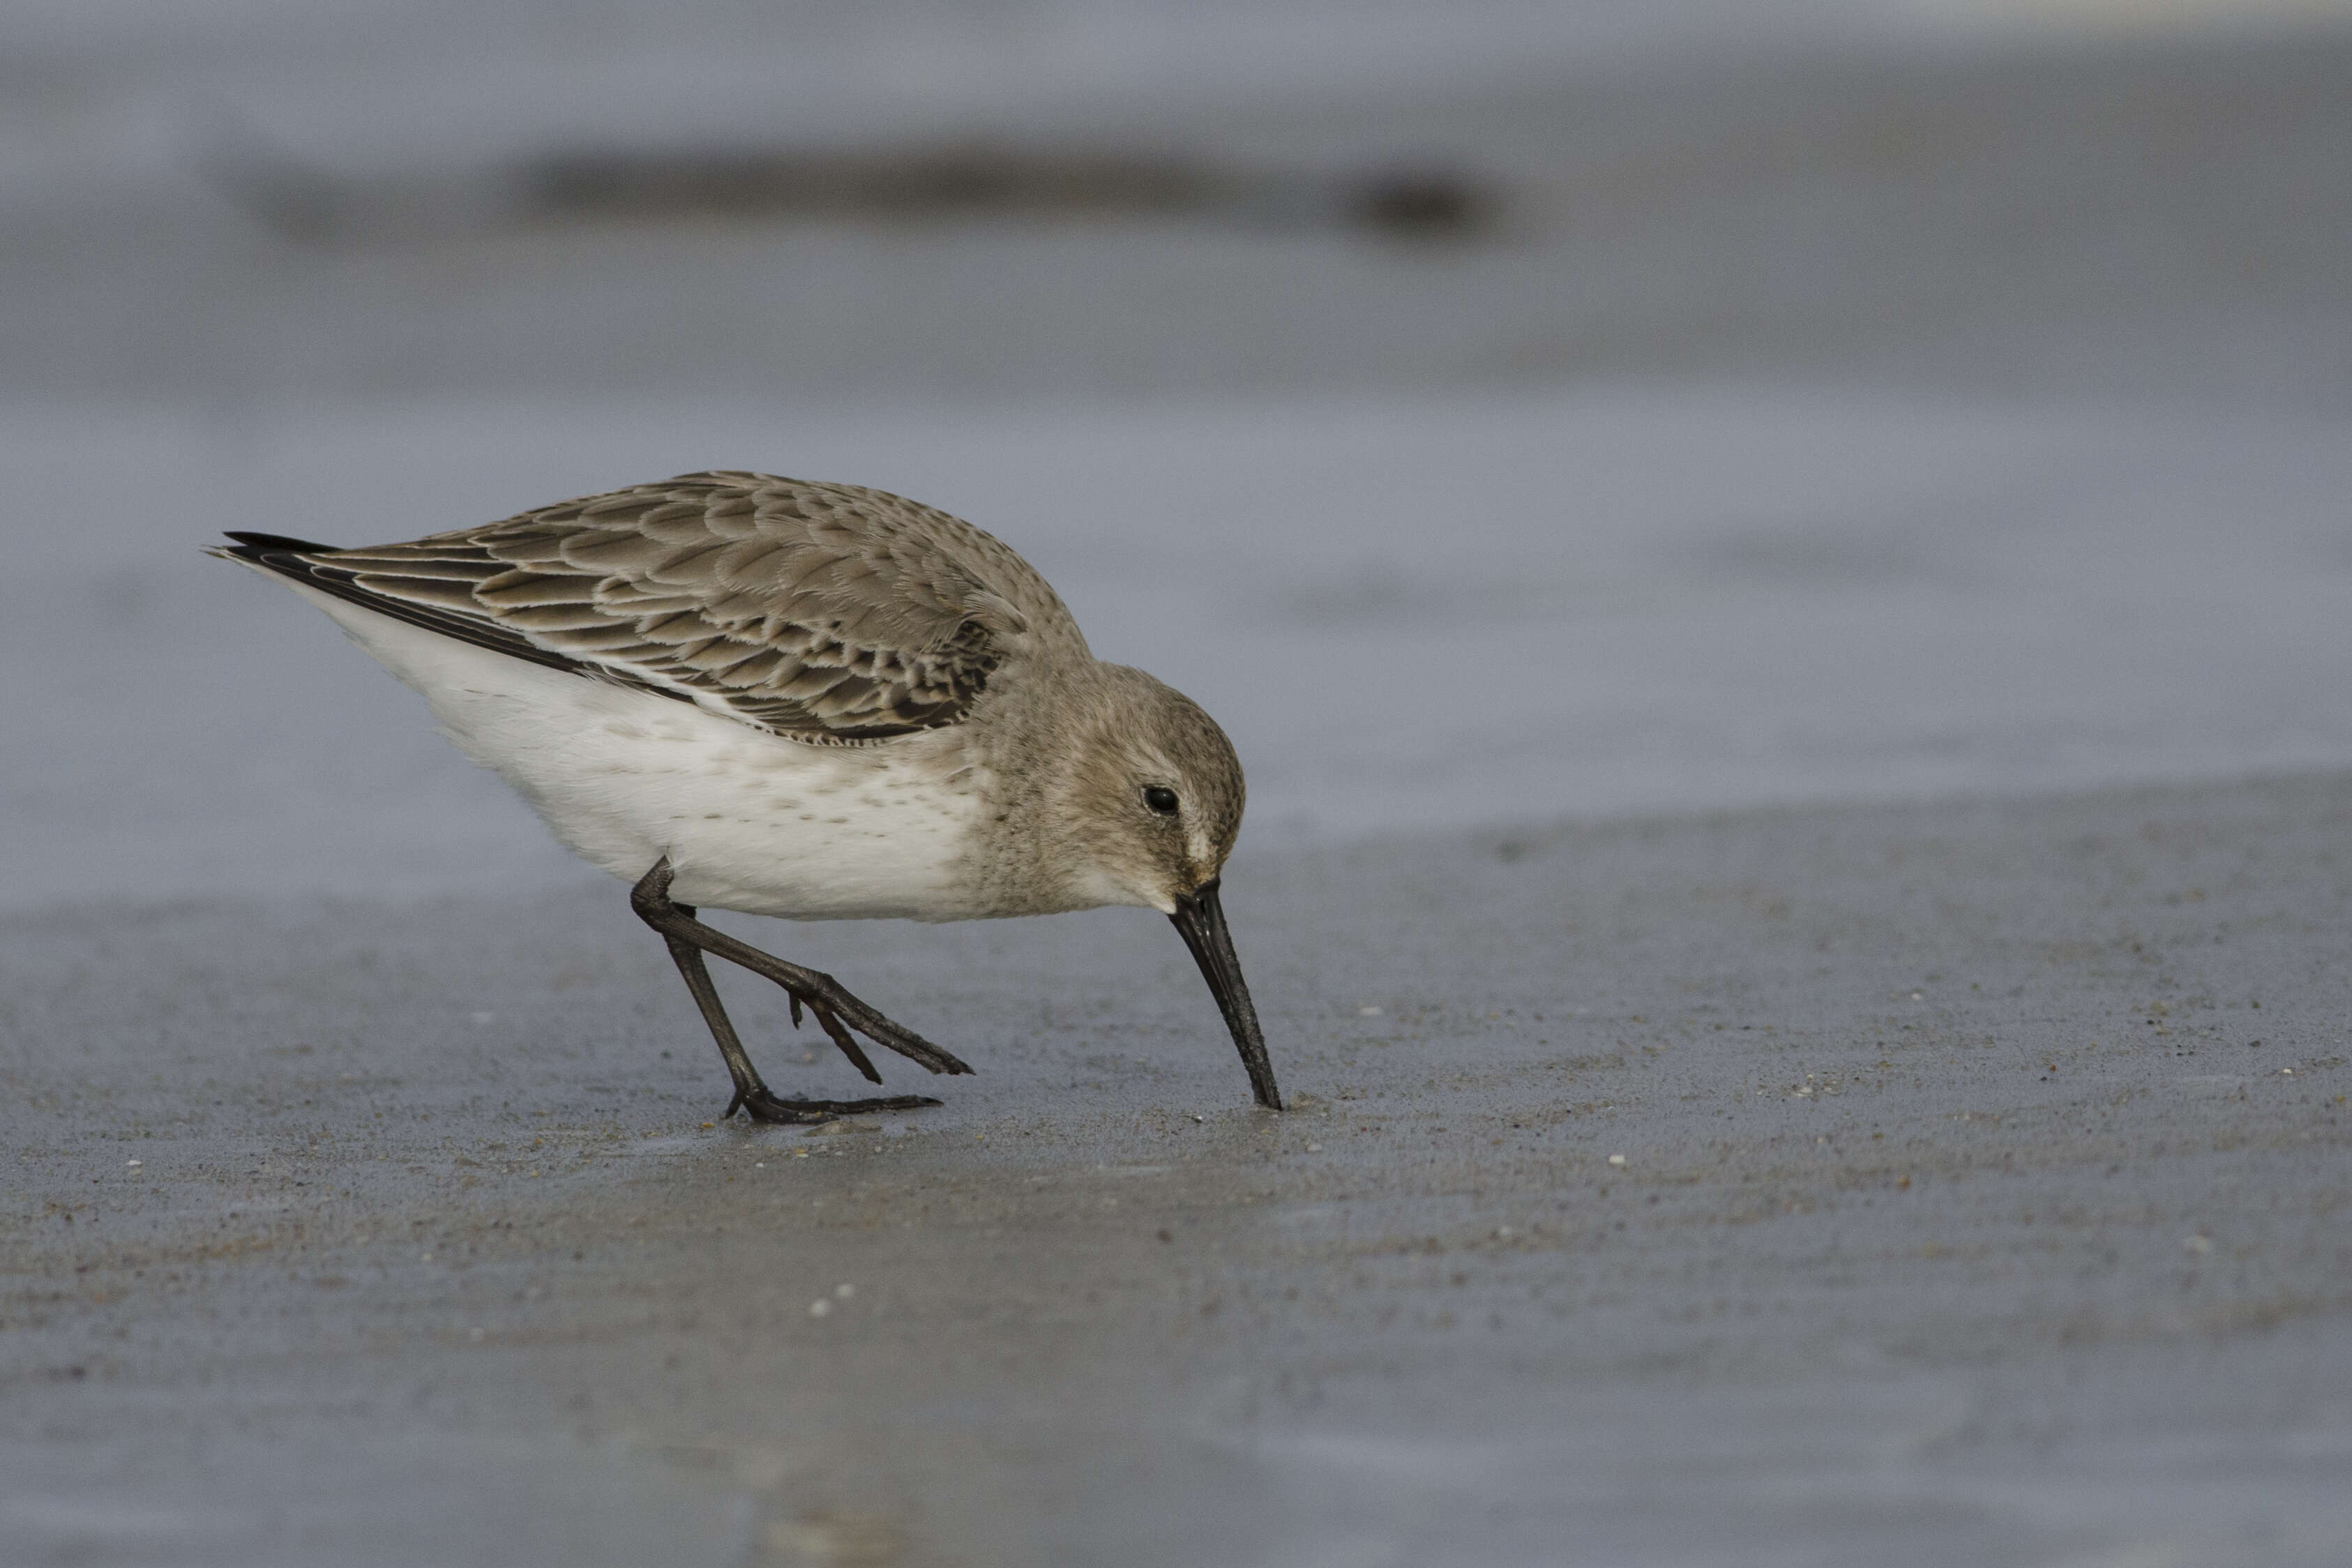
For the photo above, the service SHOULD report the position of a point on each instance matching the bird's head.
(1146, 810)
(1150, 800)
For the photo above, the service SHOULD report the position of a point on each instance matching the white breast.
(749, 820)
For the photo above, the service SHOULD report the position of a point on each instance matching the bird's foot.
(762, 1105)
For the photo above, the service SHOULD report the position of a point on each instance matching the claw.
(796, 1007)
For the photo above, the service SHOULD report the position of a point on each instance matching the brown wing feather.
(827, 612)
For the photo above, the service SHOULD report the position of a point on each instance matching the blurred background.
(1491, 412)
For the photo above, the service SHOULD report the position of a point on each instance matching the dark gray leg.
(688, 958)
(688, 938)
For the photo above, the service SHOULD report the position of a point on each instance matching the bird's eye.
(1161, 799)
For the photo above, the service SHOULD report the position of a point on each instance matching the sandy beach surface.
(1949, 1184)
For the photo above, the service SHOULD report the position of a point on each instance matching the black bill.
(1201, 920)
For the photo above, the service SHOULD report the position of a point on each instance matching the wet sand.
(1970, 1209)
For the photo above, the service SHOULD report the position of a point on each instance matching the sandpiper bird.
(810, 701)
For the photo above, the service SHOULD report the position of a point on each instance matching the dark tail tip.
(254, 546)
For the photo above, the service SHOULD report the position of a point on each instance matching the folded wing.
(823, 612)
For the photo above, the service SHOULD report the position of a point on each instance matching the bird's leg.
(752, 1095)
(748, 1088)
(688, 938)
(686, 953)
(823, 993)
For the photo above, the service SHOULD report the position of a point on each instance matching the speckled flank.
(751, 822)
